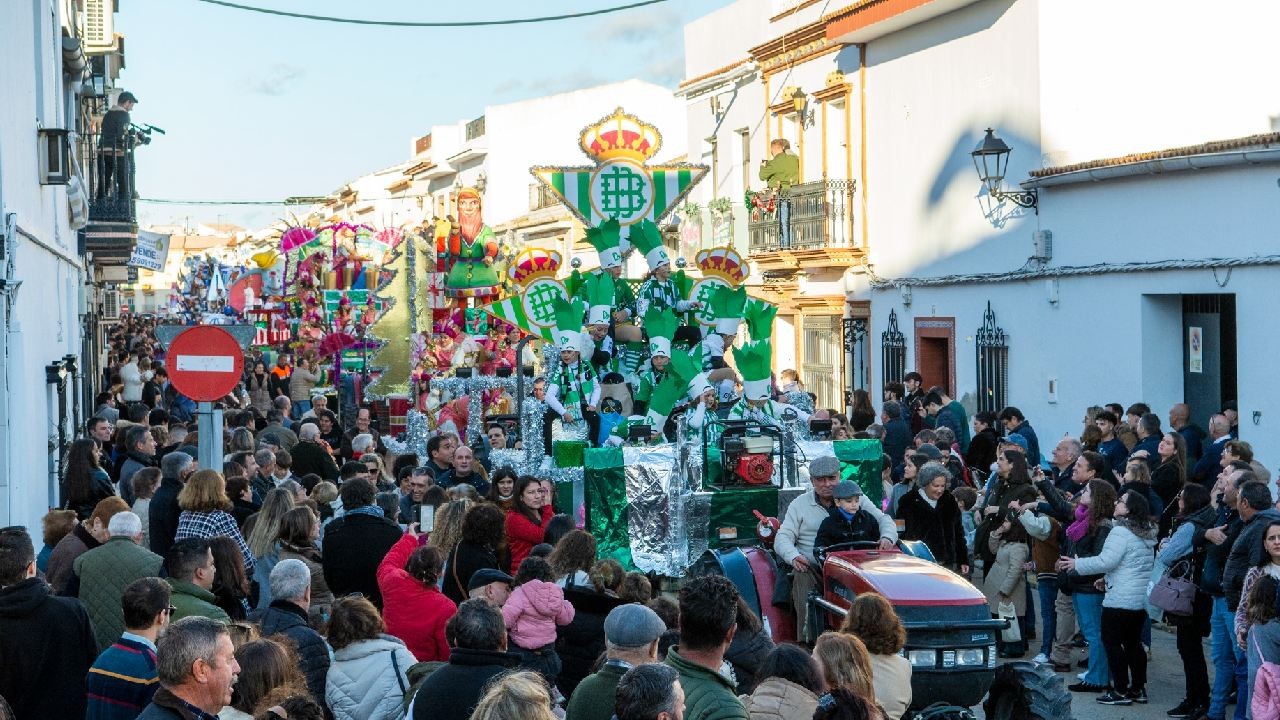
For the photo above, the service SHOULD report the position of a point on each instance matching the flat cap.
(484, 576)
(633, 626)
(825, 466)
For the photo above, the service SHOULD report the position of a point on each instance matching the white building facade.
(1143, 272)
(494, 153)
(57, 64)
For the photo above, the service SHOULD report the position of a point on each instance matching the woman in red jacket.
(414, 610)
(528, 518)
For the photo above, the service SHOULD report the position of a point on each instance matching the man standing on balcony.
(113, 144)
(781, 172)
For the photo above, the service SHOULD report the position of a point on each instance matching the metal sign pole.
(209, 424)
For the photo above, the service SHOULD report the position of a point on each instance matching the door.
(936, 352)
(1208, 353)
(821, 356)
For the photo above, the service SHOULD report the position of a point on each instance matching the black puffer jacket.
(285, 618)
(746, 654)
(581, 641)
(46, 648)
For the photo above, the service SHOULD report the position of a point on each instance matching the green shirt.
(782, 171)
(190, 599)
(596, 695)
(708, 695)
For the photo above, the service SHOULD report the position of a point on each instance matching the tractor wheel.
(1027, 691)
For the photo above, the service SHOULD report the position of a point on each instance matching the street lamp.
(991, 160)
(800, 103)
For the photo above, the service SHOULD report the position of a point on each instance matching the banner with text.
(151, 251)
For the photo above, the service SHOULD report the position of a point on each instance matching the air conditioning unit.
(110, 304)
(99, 26)
(55, 156)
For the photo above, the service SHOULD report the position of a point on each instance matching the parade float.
(455, 333)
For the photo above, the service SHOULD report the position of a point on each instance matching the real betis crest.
(721, 267)
(620, 185)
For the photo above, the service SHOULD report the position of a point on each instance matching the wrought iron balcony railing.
(110, 174)
(818, 215)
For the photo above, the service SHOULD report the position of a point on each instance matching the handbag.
(1174, 592)
(1013, 632)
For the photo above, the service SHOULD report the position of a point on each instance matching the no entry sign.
(205, 362)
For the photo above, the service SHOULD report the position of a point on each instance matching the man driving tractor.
(799, 531)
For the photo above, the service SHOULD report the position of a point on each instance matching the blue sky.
(259, 107)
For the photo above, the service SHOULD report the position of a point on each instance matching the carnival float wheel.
(1027, 691)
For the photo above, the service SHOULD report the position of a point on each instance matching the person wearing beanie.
(631, 635)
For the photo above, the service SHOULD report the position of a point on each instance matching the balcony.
(110, 174)
(820, 223)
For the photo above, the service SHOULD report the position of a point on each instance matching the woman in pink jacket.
(533, 611)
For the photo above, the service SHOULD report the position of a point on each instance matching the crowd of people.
(315, 575)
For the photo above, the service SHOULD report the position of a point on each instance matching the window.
(893, 351)
(993, 364)
(744, 140)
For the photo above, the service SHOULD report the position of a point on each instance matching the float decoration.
(466, 250)
(722, 267)
(532, 309)
(620, 185)
(392, 328)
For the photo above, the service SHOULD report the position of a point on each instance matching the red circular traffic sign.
(205, 363)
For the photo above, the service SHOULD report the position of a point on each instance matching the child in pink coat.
(533, 611)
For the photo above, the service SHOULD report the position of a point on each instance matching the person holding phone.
(414, 609)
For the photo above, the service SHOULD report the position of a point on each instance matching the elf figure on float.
(466, 250)
(573, 391)
(660, 290)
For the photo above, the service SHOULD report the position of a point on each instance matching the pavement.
(1164, 684)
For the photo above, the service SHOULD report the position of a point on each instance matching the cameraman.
(113, 145)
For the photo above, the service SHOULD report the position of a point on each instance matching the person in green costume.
(467, 250)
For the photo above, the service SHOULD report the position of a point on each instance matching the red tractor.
(951, 635)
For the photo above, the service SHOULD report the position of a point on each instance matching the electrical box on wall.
(1053, 390)
(1043, 245)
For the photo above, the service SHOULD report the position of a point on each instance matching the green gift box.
(568, 453)
(860, 462)
(605, 497)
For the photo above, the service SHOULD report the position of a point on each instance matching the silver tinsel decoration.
(474, 387)
(655, 510)
(416, 435)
